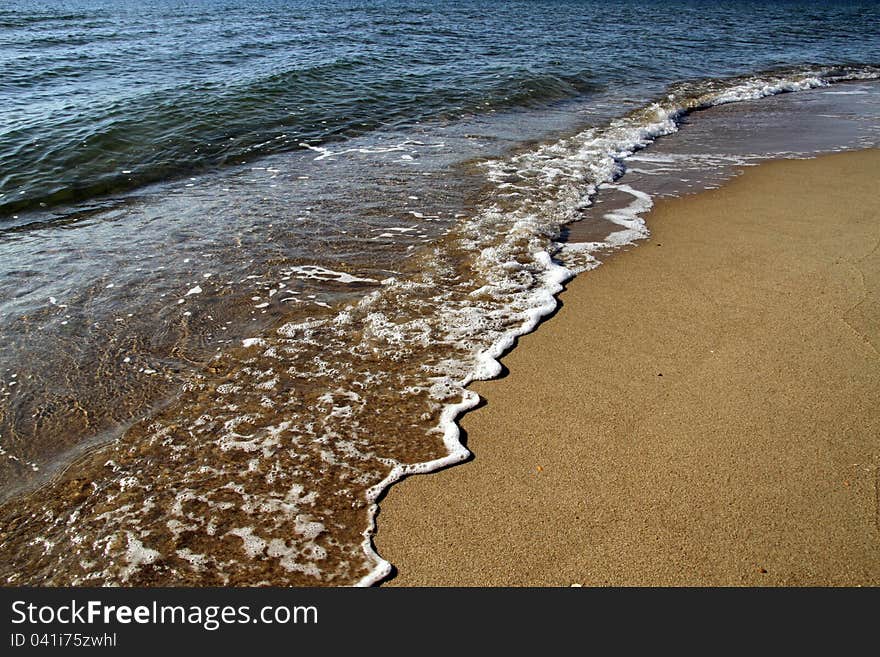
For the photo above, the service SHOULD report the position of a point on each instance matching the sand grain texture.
(703, 410)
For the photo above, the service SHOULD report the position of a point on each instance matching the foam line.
(590, 160)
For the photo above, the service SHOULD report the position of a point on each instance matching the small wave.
(179, 131)
(269, 469)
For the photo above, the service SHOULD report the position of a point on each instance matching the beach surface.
(704, 409)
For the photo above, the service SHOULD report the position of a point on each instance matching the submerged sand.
(703, 410)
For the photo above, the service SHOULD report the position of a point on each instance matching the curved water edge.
(636, 137)
(460, 306)
(490, 367)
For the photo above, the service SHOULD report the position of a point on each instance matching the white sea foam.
(574, 169)
(412, 341)
(629, 217)
(406, 146)
(324, 274)
(137, 555)
(252, 544)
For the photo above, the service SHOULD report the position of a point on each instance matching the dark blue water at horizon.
(98, 97)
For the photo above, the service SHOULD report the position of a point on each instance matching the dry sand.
(752, 460)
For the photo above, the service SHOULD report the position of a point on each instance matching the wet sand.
(703, 410)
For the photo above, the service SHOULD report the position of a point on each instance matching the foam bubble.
(324, 274)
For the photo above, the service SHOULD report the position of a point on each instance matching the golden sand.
(703, 410)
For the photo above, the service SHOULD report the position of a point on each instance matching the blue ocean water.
(253, 253)
(101, 96)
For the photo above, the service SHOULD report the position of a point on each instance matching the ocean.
(253, 253)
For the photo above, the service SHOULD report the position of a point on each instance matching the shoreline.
(702, 413)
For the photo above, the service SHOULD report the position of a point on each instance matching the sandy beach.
(704, 409)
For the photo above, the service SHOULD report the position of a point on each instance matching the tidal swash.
(252, 254)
